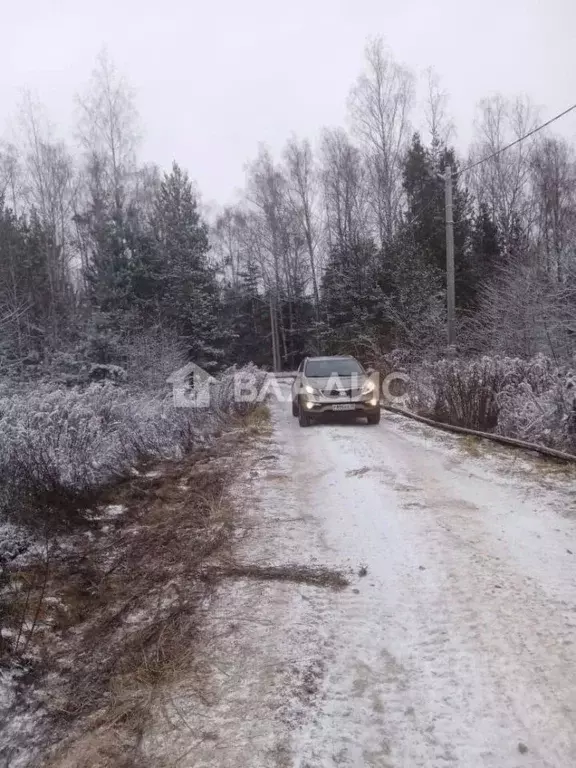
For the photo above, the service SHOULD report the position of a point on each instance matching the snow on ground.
(24, 722)
(7, 685)
(114, 510)
(14, 540)
(456, 648)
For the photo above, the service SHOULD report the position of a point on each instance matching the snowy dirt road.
(456, 648)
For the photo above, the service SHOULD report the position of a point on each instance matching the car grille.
(341, 392)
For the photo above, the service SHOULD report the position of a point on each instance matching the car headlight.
(310, 390)
(368, 387)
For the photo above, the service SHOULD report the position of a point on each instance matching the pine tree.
(413, 298)
(189, 300)
(49, 312)
(424, 217)
(124, 274)
(13, 342)
(109, 272)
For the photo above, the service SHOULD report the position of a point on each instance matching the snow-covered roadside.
(64, 455)
(456, 647)
(261, 652)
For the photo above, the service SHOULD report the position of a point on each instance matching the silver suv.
(334, 384)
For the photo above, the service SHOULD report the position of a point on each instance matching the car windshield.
(343, 366)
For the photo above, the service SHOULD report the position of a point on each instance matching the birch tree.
(229, 236)
(48, 188)
(282, 252)
(109, 129)
(303, 197)
(554, 187)
(10, 176)
(380, 105)
(344, 189)
(503, 183)
(440, 126)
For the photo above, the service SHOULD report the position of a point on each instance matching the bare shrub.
(533, 400)
(462, 393)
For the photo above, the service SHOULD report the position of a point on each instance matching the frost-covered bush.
(460, 392)
(533, 400)
(58, 445)
(235, 388)
(533, 413)
(150, 357)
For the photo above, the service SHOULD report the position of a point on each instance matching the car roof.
(332, 357)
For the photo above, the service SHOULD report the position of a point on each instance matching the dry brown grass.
(257, 421)
(119, 609)
(114, 617)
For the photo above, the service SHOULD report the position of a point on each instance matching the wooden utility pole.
(276, 360)
(450, 289)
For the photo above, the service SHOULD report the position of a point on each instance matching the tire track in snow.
(465, 670)
(523, 643)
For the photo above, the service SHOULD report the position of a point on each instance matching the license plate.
(344, 407)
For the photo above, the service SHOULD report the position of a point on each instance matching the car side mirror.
(370, 371)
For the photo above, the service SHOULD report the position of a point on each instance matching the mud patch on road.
(357, 472)
(279, 477)
(404, 488)
(307, 681)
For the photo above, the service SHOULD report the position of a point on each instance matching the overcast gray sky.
(213, 79)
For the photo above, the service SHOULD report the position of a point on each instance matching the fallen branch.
(542, 449)
(317, 577)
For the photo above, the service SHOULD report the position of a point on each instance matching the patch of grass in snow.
(471, 445)
(257, 420)
(520, 462)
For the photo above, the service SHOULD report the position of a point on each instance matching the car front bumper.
(358, 406)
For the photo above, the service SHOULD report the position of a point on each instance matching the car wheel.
(303, 417)
(374, 418)
(294, 408)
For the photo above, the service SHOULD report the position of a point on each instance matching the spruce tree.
(485, 245)
(351, 297)
(247, 317)
(425, 225)
(40, 310)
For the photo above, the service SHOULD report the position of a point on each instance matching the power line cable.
(425, 207)
(516, 141)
